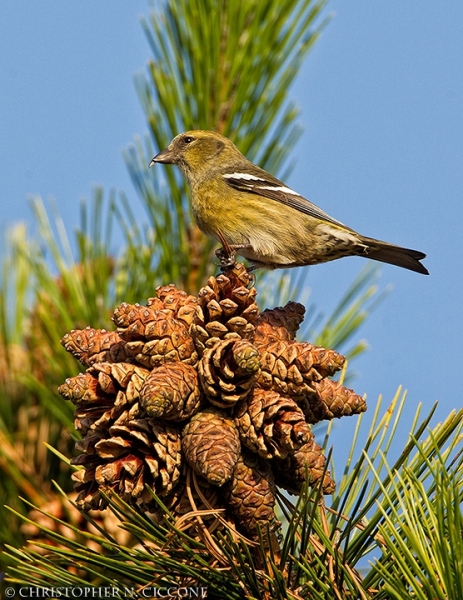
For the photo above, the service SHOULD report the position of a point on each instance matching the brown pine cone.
(211, 445)
(99, 418)
(113, 377)
(176, 345)
(171, 392)
(290, 473)
(251, 495)
(270, 424)
(168, 362)
(279, 323)
(95, 345)
(86, 419)
(153, 322)
(225, 310)
(291, 367)
(103, 393)
(228, 371)
(84, 388)
(179, 302)
(132, 320)
(330, 400)
(236, 277)
(144, 452)
(153, 336)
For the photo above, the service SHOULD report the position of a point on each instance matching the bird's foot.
(227, 258)
(227, 254)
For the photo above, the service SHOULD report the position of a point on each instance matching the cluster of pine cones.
(206, 401)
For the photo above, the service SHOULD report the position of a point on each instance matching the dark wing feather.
(270, 187)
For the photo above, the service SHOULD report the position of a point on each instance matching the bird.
(256, 215)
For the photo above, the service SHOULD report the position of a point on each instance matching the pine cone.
(143, 452)
(226, 310)
(171, 392)
(104, 393)
(244, 391)
(251, 494)
(235, 278)
(211, 445)
(330, 400)
(84, 388)
(181, 305)
(290, 473)
(271, 424)
(291, 367)
(279, 323)
(153, 336)
(228, 371)
(115, 377)
(95, 345)
(178, 346)
(132, 320)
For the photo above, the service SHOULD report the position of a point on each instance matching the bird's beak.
(166, 157)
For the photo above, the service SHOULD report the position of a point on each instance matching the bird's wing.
(258, 181)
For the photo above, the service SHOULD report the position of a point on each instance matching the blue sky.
(381, 101)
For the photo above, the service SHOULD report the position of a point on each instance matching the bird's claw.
(226, 254)
(227, 258)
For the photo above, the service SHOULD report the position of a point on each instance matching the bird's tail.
(395, 255)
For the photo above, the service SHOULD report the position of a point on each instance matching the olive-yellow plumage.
(271, 225)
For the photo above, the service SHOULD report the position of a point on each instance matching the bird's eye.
(188, 139)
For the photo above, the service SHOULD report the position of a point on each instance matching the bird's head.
(197, 153)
